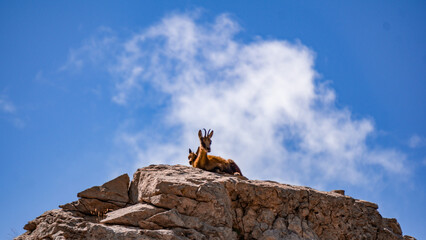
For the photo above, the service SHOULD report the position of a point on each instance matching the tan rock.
(295, 225)
(89, 206)
(341, 192)
(169, 219)
(60, 224)
(132, 215)
(179, 202)
(407, 237)
(368, 204)
(148, 225)
(115, 191)
(393, 224)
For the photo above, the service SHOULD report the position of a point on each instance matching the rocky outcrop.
(99, 200)
(179, 202)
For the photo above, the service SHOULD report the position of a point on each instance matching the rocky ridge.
(180, 202)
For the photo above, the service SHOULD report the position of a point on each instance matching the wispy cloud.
(6, 106)
(269, 111)
(93, 51)
(9, 110)
(416, 141)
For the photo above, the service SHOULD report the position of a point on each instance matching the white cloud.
(94, 50)
(261, 98)
(10, 111)
(6, 106)
(415, 141)
(18, 123)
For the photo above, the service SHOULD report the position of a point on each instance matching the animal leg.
(234, 168)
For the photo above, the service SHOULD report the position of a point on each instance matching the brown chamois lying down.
(202, 160)
(216, 163)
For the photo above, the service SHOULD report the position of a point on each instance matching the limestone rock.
(179, 202)
(99, 200)
(115, 191)
(89, 206)
(368, 204)
(59, 224)
(131, 215)
(392, 224)
(341, 192)
(406, 237)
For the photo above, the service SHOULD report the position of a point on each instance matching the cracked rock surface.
(180, 202)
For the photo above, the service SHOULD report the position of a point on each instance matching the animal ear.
(200, 134)
(190, 151)
(211, 134)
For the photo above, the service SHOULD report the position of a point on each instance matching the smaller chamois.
(200, 159)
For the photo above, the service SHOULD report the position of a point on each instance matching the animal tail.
(234, 167)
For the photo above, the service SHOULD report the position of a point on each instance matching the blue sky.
(328, 95)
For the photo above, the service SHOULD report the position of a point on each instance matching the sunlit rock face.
(180, 202)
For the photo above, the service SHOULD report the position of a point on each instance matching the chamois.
(209, 162)
(192, 156)
(222, 165)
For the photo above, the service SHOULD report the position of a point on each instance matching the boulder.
(131, 215)
(114, 191)
(89, 206)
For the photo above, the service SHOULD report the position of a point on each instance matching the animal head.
(191, 157)
(206, 139)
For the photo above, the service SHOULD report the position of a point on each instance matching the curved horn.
(205, 134)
